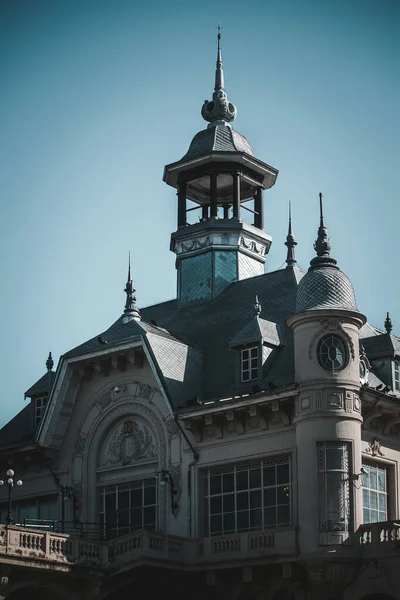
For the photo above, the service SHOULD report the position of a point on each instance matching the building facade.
(240, 441)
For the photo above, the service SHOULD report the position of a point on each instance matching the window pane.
(269, 476)
(334, 458)
(136, 498)
(216, 505)
(229, 522)
(242, 501)
(270, 497)
(270, 517)
(282, 473)
(255, 499)
(136, 518)
(242, 480)
(216, 524)
(243, 521)
(123, 518)
(381, 480)
(229, 503)
(215, 484)
(255, 478)
(123, 500)
(283, 515)
(256, 519)
(373, 479)
(282, 495)
(149, 515)
(111, 501)
(229, 482)
(149, 495)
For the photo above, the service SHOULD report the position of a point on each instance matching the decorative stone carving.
(172, 428)
(305, 403)
(255, 420)
(357, 403)
(128, 442)
(195, 244)
(374, 448)
(334, 400)
(145, 391)
(278, 419)
(232, 425)
(176, 474)
(211, 428)
(252, 246)
(105, 400)
(80, 444)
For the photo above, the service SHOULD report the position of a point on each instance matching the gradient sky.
(96, 97)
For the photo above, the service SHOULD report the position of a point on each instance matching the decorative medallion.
(128, 442)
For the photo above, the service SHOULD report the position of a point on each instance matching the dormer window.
(249, 364)
(40, 406)
(397, 376)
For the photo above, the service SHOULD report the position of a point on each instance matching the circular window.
(332, 353)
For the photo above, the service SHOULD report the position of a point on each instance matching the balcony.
(58, 551)
(377, 539)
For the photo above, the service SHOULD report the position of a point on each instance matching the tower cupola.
(220, 174)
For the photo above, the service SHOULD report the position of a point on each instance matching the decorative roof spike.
(322, 245)
(131, 311)
(50, 362)
(388, 323)
(290, 242)
(218, 111)
(257, 307)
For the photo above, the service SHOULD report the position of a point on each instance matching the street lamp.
(166, 478)
(10, 483)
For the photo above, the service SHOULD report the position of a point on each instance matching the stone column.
(226, 211)
(182, 204)
(213, 194)
(236, 195)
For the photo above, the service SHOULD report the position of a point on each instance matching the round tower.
(328, 411)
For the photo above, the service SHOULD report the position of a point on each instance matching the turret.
(328, 411)
(219, 173)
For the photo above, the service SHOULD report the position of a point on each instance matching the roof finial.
(322, 245)
(290, 242)
(257, 307)
(50, 362)
(219, 111)
(388, 323)
(131, 311)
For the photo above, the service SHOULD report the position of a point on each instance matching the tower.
(328, 411)
(219, 174)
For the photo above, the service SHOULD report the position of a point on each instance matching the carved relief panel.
(128, 442)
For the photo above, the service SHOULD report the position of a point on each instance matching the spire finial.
(50, 362)
(322, 245)
(388, 323)
(290, 242)
(131, 311)
(257, 307)
(219, 111)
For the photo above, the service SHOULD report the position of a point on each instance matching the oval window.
(332, 353)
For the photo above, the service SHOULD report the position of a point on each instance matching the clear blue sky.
(97, 96)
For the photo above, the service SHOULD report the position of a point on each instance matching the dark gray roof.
(19, 429)
(194, 341)
(217, 139)
(259, 330)
(42, 386)
(325, 287)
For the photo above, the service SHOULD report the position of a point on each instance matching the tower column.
(182, 204)
(236, 195)
(226, 211)
(259, 208)
(213, 194)
(204, 211)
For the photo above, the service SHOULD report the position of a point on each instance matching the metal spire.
(290, 242)
(257, 307)
(219, 73)
(322, 245)
(50, 362)
(131, 311)
(218, 111)
(388, 323)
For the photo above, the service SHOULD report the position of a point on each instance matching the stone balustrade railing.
(377, 537)
(62, 550)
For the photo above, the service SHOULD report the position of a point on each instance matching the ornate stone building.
(240, 441)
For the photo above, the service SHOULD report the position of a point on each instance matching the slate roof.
(201, 334)
(259, 330)
(42, 386)
(18, 429)
(217, 139)
(325, 287)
